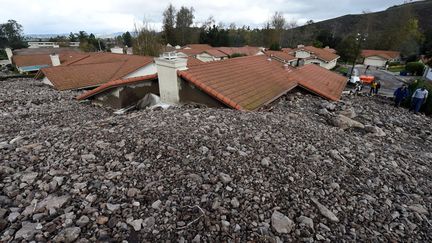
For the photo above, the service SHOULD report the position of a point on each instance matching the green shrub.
(391, 64)
(427, 107)
(275, 47)
(415, 68)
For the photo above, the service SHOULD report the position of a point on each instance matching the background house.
(379, 58)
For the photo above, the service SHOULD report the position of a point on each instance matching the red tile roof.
(192, 61)
(322, 54)
(287, 49)
(114, 84)
(244, 83)
(280, 55)
(93, 70)
(384, 54)
(329, 49)
(190, 52)
(246, 50)
(25, 60)
(320, 81)
(216, 53)
(201, 47)
(37, 51)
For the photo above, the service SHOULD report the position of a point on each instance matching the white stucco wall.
(428, 73)
(375, 61)
(45, 80)
(302, 54)
(327, 65)
(169, 83)
(146, 70)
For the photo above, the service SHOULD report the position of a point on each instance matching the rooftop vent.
(169, 55)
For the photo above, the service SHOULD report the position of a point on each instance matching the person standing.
(400, 95)
(418, 99)
(377, 87)
(372, 88)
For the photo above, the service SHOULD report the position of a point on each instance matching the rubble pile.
(305, 170)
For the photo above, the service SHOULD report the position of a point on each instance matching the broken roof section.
(116, 83)
(320, 53)
(92, 70)
(241, 83)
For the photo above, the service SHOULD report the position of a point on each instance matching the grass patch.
(396, 69)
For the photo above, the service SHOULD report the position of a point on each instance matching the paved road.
(389, 81)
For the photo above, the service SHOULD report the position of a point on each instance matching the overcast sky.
(108, 16)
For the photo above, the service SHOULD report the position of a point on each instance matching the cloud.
(63, 16)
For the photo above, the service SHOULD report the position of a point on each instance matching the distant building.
(379, 58)
(50, 44)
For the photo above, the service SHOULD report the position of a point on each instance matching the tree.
(127, 39)
(348, 49)
(146, 42)
(169, 23)
(72, 37)
(278, 22)
(11, 35)
(184, 19)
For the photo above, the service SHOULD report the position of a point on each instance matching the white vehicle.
(354, 79)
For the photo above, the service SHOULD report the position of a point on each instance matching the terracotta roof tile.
(114, 84)
(280, 55)
(318, 52)
(192, 61)
(320, 81)
(201, 47)
(93, 70)
(380, 53)
(246, 50)
(25, 60)
(245, 83)
(215, 52)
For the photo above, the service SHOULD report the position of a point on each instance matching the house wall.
(144, 71)
(126, 96)
(45, 80)
(189, 93)
(375, 61)
(327, 65)
(205, 57)
(302, 54)
(428, 73)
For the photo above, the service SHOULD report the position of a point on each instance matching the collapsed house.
(244, 83)
(94, 69)
(324, 57)
(31, 60)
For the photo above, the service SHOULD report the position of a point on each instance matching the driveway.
(389, 81)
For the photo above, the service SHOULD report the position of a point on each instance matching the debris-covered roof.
(384, 54)
(93, 70)
(244, 83)
(116, 83)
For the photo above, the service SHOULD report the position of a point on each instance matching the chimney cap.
(169, 55)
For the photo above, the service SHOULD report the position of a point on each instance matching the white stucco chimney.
(169, 84)
(300, 46)
(55, 59)
(9, 54)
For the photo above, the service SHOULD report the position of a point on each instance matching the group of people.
(374, 88)
(418, 98)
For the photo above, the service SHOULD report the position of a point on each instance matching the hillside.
(375, 24)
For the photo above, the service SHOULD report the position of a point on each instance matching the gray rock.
(344, 122)
(112, 207)
(27, 231)
(224, 178)
(418, 208)
(68, 235)
(13, 216)
(83, 221)
(157, 204)
(303, 220)
(235, 203)
(281, 223)
(136, 224)
(325, 211)
(265, 162)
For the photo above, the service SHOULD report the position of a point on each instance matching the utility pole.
(360, 38)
